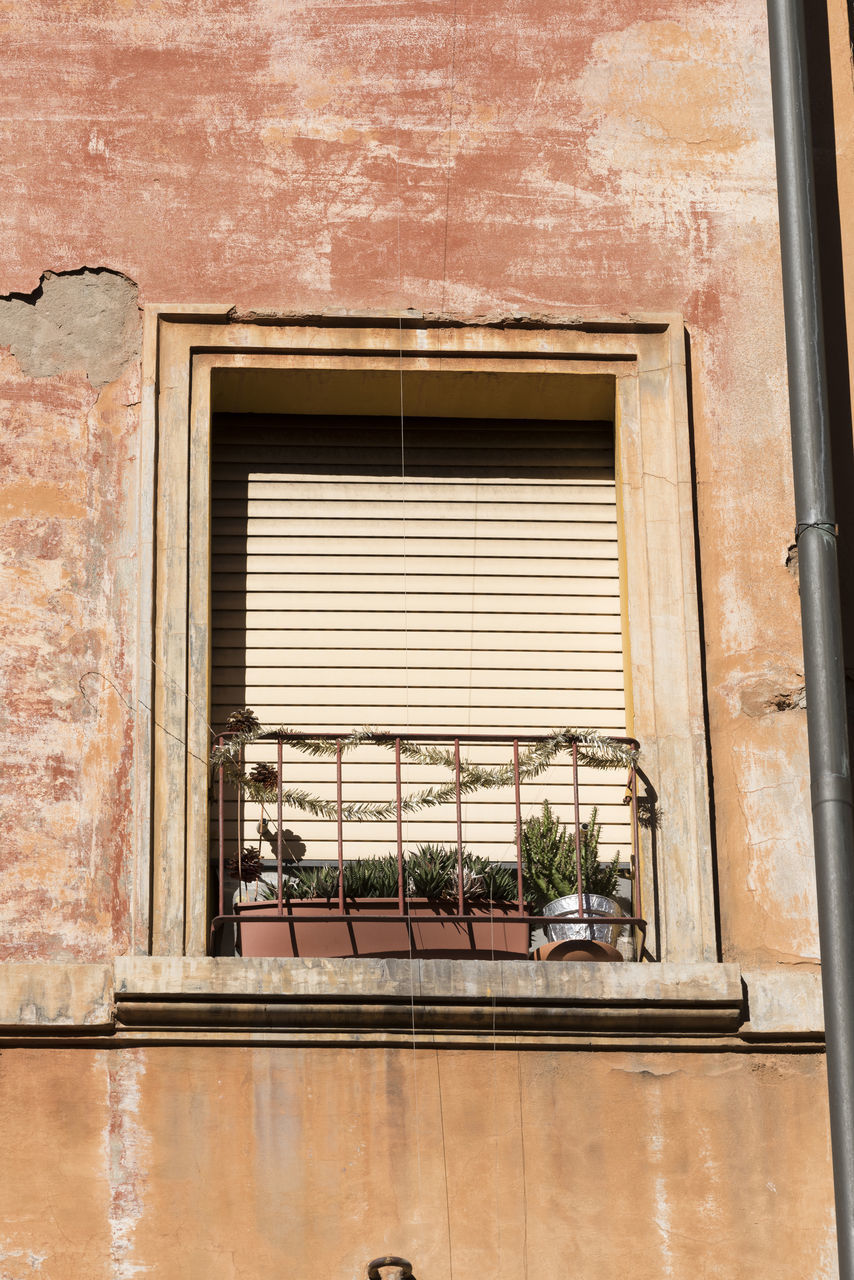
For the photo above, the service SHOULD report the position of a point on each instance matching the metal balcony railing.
(283, 913)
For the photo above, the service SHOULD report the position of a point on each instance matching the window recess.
(474, 590)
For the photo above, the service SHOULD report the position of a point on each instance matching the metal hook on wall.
(403, 1269)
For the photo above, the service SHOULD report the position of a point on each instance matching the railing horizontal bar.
(390, 735)
(509, 917)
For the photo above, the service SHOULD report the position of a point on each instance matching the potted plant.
(550, 866)
(313, 924)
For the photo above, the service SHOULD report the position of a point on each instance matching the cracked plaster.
(86, 319)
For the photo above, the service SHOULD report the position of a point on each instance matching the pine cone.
(248, 868)
(264, 776)
(244, 721)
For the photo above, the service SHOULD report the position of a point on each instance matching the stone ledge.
(785, 1000)
(477, 980)
(199, 996)
(434, 995)
(56, 996)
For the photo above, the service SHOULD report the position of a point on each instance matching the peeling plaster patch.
(774, 800)
(792, 562)
(790, 699)
(86, 319)
(647, 1067)
(127, 1155)
(68, 545)
(26, 1256)
(677, 124)
(97, 144)
(767, 686)
(663, 1211)
(784, 999)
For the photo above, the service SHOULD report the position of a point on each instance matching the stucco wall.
(210, 1162)
(452, 156)
(471, 159)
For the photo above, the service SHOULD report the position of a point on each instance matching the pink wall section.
(475, 158)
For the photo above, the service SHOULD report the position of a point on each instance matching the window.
(633, 375)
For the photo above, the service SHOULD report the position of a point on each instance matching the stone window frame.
(643, 359)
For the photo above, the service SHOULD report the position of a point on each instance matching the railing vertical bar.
(401, 897)
(637, 891)
(279, 817)
(520, 884)
(577, 808)
(221, 833)
(241, 766)
(460, 894)
(339, 789)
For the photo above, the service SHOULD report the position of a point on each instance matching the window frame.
(642, 361)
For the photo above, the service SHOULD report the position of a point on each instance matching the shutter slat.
(480, 526)
(417, 567)
(457, 605)
(307, 550)
(303, 616)
(481, 641)
(505, 719)
(507, 508)
(326, 663)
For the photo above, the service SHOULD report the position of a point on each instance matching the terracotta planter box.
(494, 934)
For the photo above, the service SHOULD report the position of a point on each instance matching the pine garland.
(594, 751)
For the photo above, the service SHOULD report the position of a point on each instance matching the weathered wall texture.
(68, 554)
(204, 1162)
(469, 158)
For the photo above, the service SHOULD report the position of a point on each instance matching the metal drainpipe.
(830, 773)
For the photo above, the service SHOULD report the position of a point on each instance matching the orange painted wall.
(211, 1162)
(470, 158)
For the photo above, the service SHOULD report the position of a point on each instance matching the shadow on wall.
(833, 309)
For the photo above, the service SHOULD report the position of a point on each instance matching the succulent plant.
(493, 881)
(371, 877)
(431, 872)
(311, 882)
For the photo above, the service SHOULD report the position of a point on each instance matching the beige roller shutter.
(462, 579)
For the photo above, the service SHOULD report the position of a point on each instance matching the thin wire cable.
(448, 167)
(444, 1164)
(404, 582)
(496, 1109)
(134, 709)
(185, 695)
(449, 155)
(469, 675)
(522, 1162)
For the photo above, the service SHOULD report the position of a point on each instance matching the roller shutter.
(478, 591)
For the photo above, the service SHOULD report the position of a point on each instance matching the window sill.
(443, 997)
(511, 1003)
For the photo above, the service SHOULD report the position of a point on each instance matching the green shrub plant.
(549, 864)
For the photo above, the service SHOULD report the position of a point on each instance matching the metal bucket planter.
(576, 930)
